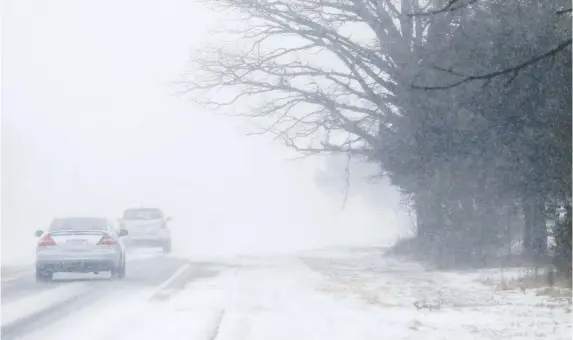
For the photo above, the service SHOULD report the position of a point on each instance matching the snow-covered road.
(28, 305)
(338, 294)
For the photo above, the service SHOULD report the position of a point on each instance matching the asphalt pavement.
(148, 271)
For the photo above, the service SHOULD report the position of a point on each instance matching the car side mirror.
(169, 218)
(122, 232)
(39, 233)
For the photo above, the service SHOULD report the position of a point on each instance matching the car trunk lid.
(77, 241)
(143, 227)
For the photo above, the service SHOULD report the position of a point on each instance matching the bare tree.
(331, 87)
(329, 76)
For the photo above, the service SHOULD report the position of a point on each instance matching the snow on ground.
(33, 304)
(468, 307)
(337, 294)
(97, 319)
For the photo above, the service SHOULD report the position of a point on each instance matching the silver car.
(147, 227)
(82, 245)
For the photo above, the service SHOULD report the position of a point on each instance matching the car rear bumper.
(83, 263)
(148, 241)
(160, 236)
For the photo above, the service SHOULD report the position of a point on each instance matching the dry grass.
(370, 296)
(555, 292)
(373, 298)
(330, 289)
(532, 281)
(415, 325)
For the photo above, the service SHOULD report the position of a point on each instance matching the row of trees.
(465, 105)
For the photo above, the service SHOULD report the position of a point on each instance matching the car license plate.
(151, 231)
(76, 243)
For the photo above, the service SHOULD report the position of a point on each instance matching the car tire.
(119, 273)
(44, 276)
(167, 247)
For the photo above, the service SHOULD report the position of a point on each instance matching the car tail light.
(47, 240)
(107, 240)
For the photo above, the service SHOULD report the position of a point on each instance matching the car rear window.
(78, 224)
(142, 214)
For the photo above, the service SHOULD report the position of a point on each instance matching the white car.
(147, 227)
(82, 245)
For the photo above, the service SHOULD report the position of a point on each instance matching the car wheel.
(119, 273)
(167, 247)
(44, 276)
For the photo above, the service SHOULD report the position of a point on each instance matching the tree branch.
(303, 100)
(452, 5)
(488, 76)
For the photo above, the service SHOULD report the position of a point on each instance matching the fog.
(90, 126)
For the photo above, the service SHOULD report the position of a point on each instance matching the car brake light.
(47, 241)
(107, 240)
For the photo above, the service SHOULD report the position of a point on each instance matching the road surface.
(339, 294)
(29, 306)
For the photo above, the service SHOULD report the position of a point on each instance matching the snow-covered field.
(336, 294)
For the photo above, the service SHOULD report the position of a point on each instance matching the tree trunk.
(421, 217)
(535, 233)
(427, 207)
(428, 214)
(562, 234)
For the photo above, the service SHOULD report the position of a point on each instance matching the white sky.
(88, 127)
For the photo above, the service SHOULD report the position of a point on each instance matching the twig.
(449, 7)
(489, 76)
(347, 179)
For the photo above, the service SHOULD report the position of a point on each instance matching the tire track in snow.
(230, 322)
(152, 313)
(48, 306)
(18, 317)
(217, 326)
